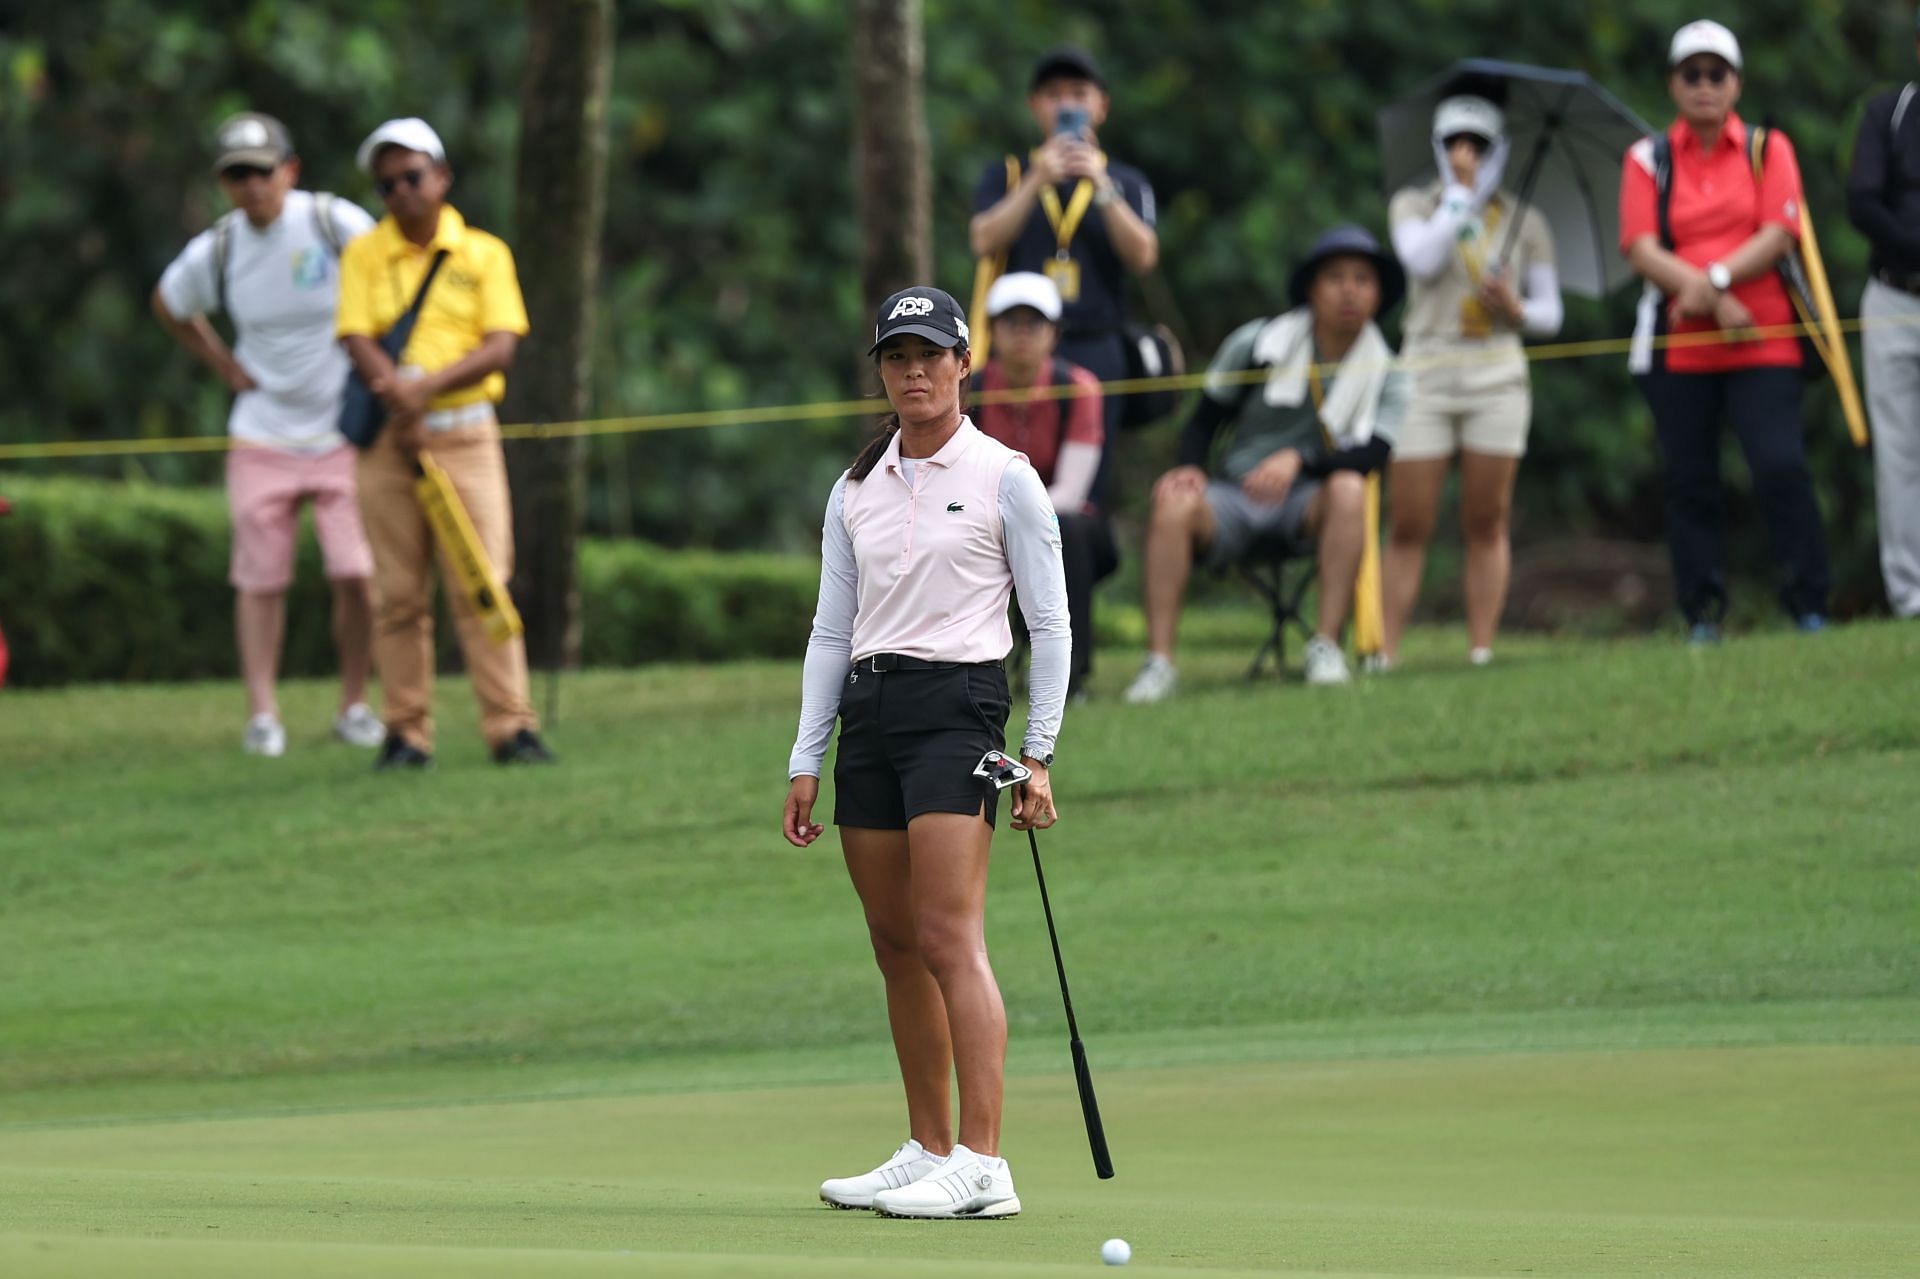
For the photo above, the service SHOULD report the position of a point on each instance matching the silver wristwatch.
(1719, 277)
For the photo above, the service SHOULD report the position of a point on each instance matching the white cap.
(1704, 37)
(1467, 114)
(412, 133)
(1024, 288)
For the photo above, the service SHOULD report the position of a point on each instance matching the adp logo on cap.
(922, 311)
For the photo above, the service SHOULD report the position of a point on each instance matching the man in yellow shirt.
(439, 398)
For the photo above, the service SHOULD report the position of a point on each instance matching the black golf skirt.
(910, 739)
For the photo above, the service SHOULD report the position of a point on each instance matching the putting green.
(1734, 1161)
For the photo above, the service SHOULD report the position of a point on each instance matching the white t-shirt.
(283, 285)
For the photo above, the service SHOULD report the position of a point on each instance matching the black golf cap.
(923, 311)
(1349, 241)
(1066, 60)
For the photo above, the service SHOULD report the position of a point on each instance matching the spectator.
(1710, 244)
(1040, 222)
(1292, 477)
(270, 264)
(1061, 437)
(1883, 199)
(439, 400)
(1466, 311)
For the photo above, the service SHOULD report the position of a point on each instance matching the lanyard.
(1473, 249)
(1066, 223)
(1319, 389)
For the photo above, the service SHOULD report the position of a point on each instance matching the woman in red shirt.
(1062, 435)
(1711, 265)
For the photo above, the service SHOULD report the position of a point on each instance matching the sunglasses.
(412, 177)
(1716, 74)
(242, 172)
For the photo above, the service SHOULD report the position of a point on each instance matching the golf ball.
(1115, 1252)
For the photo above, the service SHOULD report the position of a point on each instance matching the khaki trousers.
(403, 554)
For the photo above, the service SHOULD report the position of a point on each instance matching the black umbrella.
(1569, 137)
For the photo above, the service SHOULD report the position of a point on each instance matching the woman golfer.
(925, 536)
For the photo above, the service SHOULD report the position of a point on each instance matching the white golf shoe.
(909, 1163)
(1326, 664)
(265, 737)
(359, 726)
(1155, 682)
(966, 1185)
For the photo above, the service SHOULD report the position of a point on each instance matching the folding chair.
(1283, 583)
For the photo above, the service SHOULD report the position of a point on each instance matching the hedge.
(112, 581)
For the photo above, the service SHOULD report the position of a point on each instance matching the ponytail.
(869, 456)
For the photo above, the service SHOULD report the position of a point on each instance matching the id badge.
(1065, 274)
(1474, 320)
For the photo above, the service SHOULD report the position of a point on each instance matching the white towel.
(1285, 346)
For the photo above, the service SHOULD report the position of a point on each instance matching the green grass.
(1603, 961)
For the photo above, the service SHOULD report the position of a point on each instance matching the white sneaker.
(1155, 682)
(359, 726)
(1326, 664)
(1479, 656)
(265, 737)
(909, 1163)
(966, 1185)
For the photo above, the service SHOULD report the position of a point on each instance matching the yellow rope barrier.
(842, 409)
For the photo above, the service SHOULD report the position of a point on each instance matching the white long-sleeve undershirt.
(1032, 537)
(1073, 475)
(1425, 248)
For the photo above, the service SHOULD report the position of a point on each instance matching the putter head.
(1002, 770)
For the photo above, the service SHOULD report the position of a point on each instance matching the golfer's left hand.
(1033, 799)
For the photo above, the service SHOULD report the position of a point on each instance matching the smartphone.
(1072, 120)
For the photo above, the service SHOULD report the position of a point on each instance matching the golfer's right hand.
(239, 381)
(798, 824)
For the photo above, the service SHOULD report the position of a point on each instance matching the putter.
(1004, 772)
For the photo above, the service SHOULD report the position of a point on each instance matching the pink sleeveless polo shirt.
(932, 555)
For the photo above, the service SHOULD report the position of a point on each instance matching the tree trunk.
(893, 175)
(562, 181)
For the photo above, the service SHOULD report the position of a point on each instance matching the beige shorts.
(1462, 402)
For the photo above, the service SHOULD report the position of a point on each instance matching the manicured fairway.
(1602, 962)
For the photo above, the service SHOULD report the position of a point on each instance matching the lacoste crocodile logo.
(956, 506)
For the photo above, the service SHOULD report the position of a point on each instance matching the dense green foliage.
(129, 582)
(730, 248)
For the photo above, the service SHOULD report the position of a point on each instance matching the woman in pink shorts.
(272, 264)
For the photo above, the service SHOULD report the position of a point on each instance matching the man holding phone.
(1072, 215)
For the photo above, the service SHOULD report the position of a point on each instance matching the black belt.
(881, 663)
(1908, 283)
